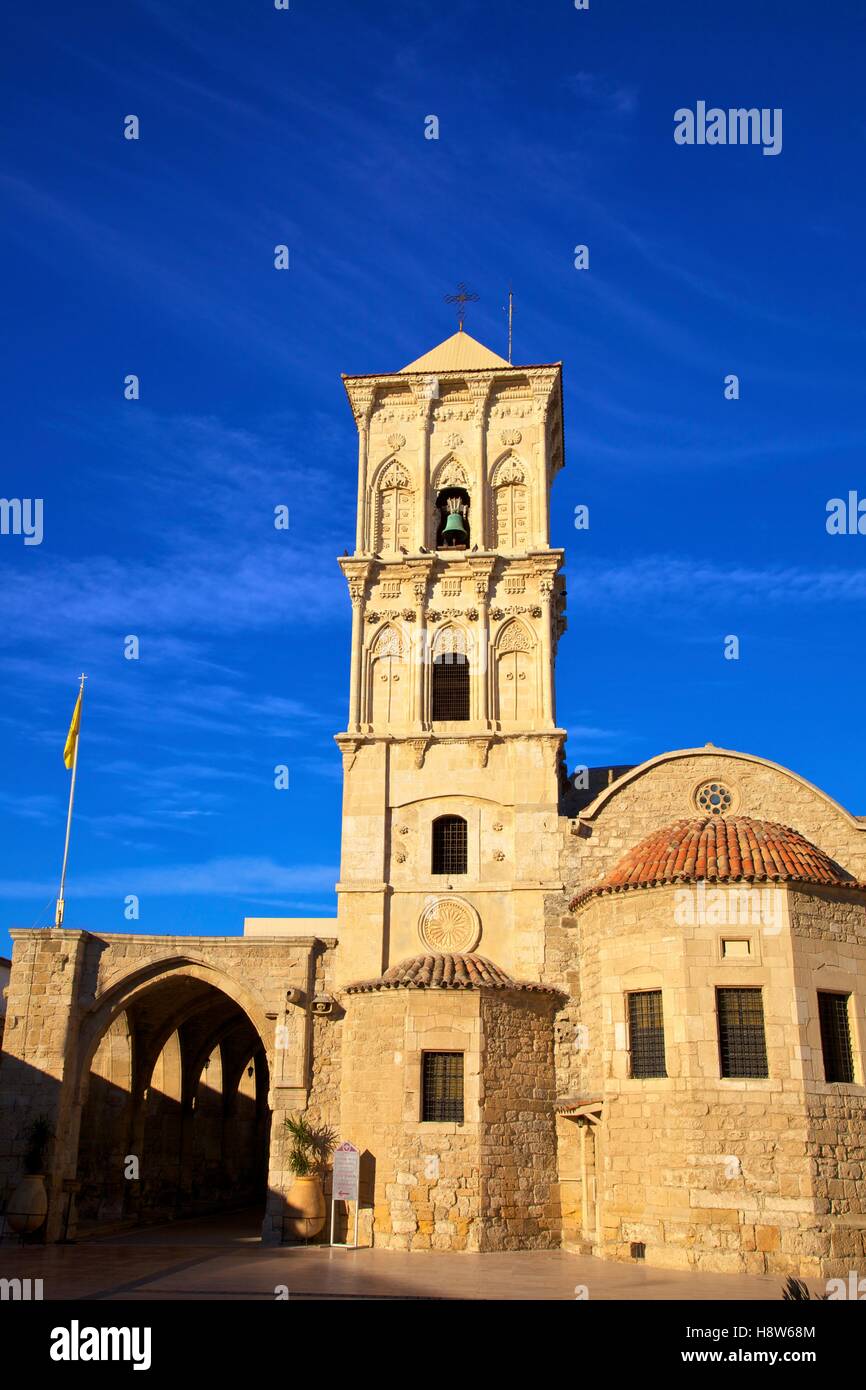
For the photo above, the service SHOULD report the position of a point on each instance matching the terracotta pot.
(306, 1208)
(28, 1205)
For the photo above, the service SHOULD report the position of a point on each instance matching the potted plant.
(311, 1148)
(28, 1205)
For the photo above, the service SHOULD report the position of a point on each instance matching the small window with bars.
(442, 1086)
(742, 1042)
(646, 1033)
(449, 845)
(451, 686)
(835, 1037)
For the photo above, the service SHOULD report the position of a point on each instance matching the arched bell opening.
(452, 508)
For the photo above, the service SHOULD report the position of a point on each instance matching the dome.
(443, 972)
(721, 849)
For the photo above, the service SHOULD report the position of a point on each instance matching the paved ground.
(220, 1258)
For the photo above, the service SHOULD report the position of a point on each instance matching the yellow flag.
(72, 736)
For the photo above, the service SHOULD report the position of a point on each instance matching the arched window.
(450, 686)
(449, 845)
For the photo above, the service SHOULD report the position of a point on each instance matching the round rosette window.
(714, 798)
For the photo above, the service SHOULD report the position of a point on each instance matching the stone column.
(355, 677)
(482, 573)
(547, 693)
(356, 572)
(425, 393)
(362, 405)
(480, 391)
(543, 385)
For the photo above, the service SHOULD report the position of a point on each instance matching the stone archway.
(97, 1022)
(166, 1128)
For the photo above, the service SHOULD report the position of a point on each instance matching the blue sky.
(155, 257)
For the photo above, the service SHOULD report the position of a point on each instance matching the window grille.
(835, 1037)
(449, 845)
(451, 686)
(742, 1044)
(442, 1088)
(646, 1030)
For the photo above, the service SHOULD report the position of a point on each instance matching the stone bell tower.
(451, 753)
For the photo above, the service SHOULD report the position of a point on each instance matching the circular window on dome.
(714, 798)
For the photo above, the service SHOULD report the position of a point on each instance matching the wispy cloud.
(220, 877)
(656, 577)
(603, 93)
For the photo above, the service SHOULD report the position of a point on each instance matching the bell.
(455, 531)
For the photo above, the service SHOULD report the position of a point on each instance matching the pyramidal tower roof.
(459, 353)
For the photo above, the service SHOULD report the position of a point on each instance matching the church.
(618, 1011)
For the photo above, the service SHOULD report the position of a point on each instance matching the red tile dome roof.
(443, 972)
(721, 849)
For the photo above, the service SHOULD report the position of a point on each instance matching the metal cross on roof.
(461, 299)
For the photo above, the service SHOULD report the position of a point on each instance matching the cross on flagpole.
(461, 299)
(58, 915)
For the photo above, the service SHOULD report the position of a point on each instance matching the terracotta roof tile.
(444, 972)
(721, 849)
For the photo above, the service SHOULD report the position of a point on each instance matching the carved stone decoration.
(497, 825)
(400, 856)
(403, 830)
(514, 638)
(388, 643)
(498, 856)
(482, 751)
(511, 437)
(454, 441)
(451, 473)
(349, 749)
(419, 749)
(395, 475)
(510, 470)
(396, 441)
(449, 924)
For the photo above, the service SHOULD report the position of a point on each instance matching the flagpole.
(58, 915)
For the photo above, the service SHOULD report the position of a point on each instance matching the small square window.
(736, 948)
(442, 1087)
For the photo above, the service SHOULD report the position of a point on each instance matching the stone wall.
(727, 1174)
(423, 1178)
(829, 939)
(486, 1184)
(519, 1195)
